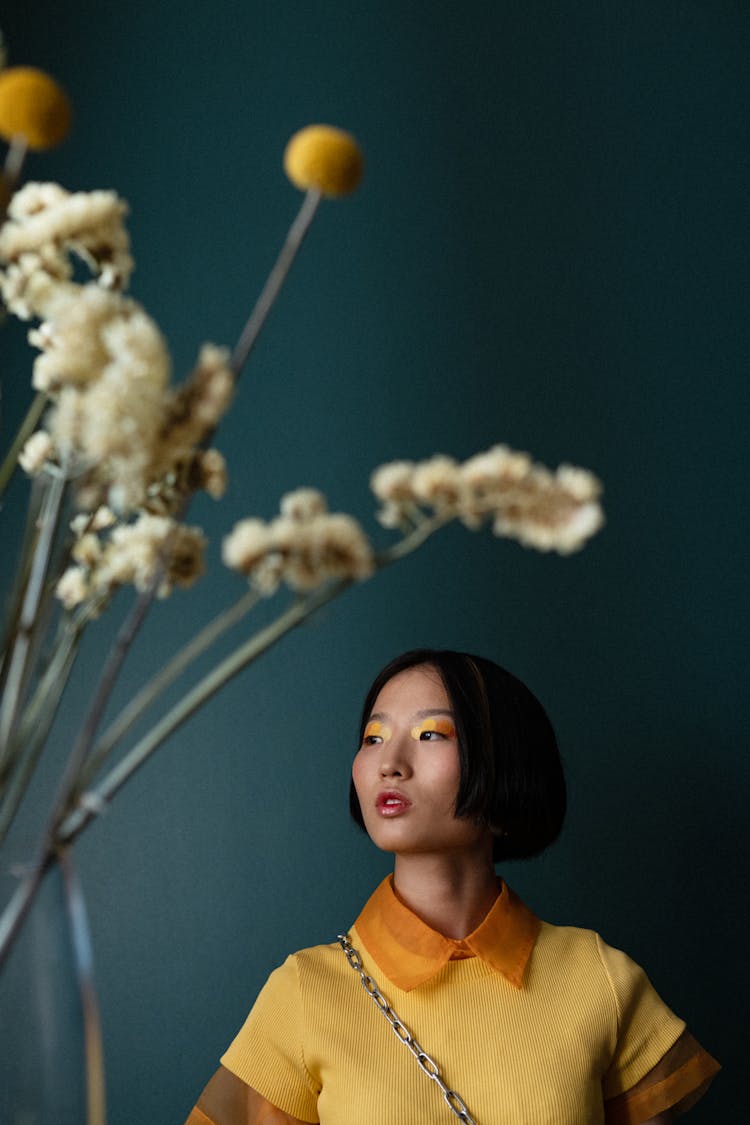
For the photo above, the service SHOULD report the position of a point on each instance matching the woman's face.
(407, 770)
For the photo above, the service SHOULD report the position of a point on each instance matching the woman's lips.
(391, 803)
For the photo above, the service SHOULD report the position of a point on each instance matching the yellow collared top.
(533, 1024)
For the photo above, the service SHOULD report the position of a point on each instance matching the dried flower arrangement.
(108, 430)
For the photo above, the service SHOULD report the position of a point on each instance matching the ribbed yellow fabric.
(586, 1024)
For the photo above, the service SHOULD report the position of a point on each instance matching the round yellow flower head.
(33, 106)
(325, 159)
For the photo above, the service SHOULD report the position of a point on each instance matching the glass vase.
(42, 1049)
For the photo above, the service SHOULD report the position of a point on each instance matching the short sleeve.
(649, 1049)
(226, 1100)
(268, 1053)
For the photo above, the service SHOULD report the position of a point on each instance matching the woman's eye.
(375, 732)
(434, 730)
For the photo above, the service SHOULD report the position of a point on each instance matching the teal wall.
(549, 249)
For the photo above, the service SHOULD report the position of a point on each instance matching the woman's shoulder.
(312, 961)
(581, 950)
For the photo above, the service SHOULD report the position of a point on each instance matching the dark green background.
(550, 249)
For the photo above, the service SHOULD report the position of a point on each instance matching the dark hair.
(511, 774)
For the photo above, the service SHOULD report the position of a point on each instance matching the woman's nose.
(394, 761)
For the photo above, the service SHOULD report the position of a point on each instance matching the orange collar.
(409, 952)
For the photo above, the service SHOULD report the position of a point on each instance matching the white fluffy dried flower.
(73, 346)
(211, 471)
(580, 483)
(392, 485)
(32, 284)
(87, 550)
(102, 518)
(498, 467)
(46, 220)
(36, 452)
(303, 504)
(345, 550)
(111, 423)
(551, 512)
(324, 547)
(196, 407)
(304, 553)
(437, 483)
(393, 482)
(72, 587)
(249, 541)
(137, 551)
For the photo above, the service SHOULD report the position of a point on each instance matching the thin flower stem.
(151, 691)
(77, 820)
(36, 722)
(107, 680)
(11, 173)
(25, 430)
(410, 542)
(276, 279)
(80, 934)
(18, 666)
(28, 545)
(15, 912)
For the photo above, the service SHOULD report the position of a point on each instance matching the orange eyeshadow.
(376, 729)
(441, 724)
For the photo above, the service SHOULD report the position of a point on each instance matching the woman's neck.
(451, 893)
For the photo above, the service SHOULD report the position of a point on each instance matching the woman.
(524, 1022)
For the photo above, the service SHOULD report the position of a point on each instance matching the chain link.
(427, 1064)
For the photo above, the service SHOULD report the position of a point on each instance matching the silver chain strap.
(454, 1101)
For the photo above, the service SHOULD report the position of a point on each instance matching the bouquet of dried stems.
(115, 451)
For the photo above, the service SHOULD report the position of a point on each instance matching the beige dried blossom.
(303, 550)
(303, 504)
(549, 511)
(499, 466)
(72, 341)
(73, 587)
(249, 541)
(329, 546)
(87, 550)
(111, 424)
(32, 284)
(189, 415)
(437, 483)
(211, 473)
(195, 408)
(50, 223)
(136, 551)
(393, 482)
(36, 452)
(98, 520)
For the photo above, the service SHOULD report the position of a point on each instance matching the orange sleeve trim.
(636, 1106)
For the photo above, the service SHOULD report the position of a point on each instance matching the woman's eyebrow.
(380, 716)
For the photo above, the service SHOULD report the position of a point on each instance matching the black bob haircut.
(511, 775)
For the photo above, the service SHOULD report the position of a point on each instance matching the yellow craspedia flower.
(33, 106)
(325, 159)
